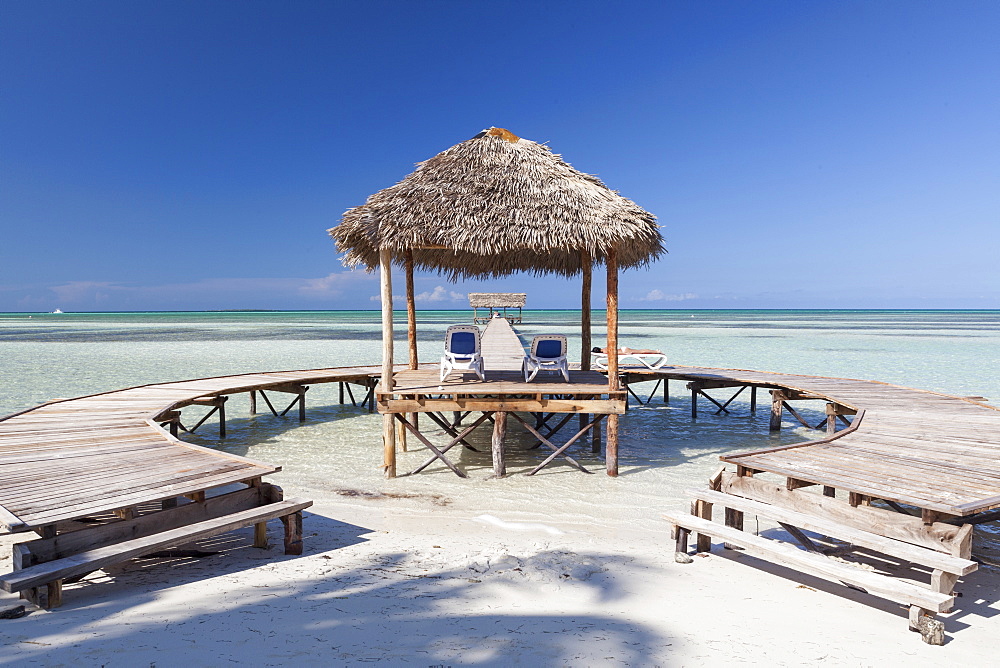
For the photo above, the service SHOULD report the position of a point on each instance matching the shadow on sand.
(334, 607)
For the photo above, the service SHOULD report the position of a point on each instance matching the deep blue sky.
(190, 155)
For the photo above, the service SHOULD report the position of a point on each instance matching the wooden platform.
(76, 457)
(504, 389)
(903, 473)
(929, 450)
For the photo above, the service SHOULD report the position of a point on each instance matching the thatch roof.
(497, 299)
(495, 205)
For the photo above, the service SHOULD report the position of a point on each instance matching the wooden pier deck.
(503, 348)
(75, 457)
(106, 459)
(907, 479)
(933, 451)
(935, 455)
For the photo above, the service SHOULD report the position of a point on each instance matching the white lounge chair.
(548, 352)
(651, 361)
(462, 351)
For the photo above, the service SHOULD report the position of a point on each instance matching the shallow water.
(337, 451)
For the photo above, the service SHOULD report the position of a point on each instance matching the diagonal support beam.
(558, 451)
(723, 406)
(551, 432)
(439, 454)
(449, 428)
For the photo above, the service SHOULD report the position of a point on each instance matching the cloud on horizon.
(208, 293)
(438, 294)
(659, 296)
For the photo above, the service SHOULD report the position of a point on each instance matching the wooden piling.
(777, 405)
(499, 434)
(611, 449)
(586, 341)
(388, 429)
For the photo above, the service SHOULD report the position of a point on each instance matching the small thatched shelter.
(492, 206)
(496, 302)
(495, 205)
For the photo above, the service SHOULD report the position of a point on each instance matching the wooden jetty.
(497, 304)
(903, 473)
(113, 460)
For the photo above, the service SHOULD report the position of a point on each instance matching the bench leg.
(703, 510)
(922, 621)
(46, 596)
(681, 547)
(734, 519)
(293, 533)
(943, 582)
(54, 593)
(260, 535)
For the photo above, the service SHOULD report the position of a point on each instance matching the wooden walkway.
(77, 457)
(929, 450)
(502, 347)
(903, 485)
(90, 456)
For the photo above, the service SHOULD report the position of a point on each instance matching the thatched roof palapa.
(497, 299)
(495, 205)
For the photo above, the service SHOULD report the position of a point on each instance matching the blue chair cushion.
(462, 343)
(548, 348)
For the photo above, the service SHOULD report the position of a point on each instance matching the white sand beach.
(425, 582)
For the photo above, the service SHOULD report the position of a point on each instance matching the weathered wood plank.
(818, 565)
(90, 560)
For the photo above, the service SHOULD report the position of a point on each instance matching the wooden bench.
(41, 566)
(924, 601)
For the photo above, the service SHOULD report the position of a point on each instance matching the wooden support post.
(260, 535)
(586, 341)
(260, 528)
(293, 532)
(734, 519)
(611, 450)
(702, 509)
(411, 312)
(341, 384)
(595, 444)
(666, 390)
(777, 405)
(499, 435)
(54, 591)
(388, 428)
(922, 621)
(831, 418)
(694, 400)
(681, 546)
(222, 416)
(253, 399)
(829, 491)
(753, 399)
(401, 436)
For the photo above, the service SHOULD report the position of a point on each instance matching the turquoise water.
(338, 451)
(43, 356)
